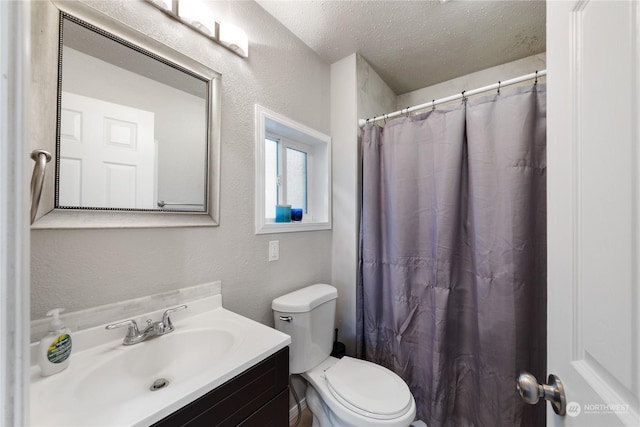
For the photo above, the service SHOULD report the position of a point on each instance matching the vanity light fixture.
(234, 38)
(196, 14)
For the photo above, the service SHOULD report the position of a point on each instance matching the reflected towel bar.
(162, 204)
(41, 157)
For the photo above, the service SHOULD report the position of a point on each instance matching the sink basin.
(130, 371)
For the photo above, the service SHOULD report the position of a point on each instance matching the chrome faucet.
(153, 329)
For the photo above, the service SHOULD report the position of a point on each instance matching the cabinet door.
(240, 398)
(273, 414)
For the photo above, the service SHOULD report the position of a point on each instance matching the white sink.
(108, 384)
(136, 367)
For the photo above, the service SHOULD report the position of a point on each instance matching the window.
(296, 181)
(286, 174)
(271, 174)
(292, 168)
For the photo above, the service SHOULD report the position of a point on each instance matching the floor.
(307, 419)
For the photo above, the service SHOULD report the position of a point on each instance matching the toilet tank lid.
(305, 299)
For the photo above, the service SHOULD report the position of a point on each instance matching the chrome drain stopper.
(158, 384)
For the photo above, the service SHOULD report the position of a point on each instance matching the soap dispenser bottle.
(55, 347)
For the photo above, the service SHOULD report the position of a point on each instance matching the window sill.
(291, 227)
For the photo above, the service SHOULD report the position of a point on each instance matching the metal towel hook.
(41, 157)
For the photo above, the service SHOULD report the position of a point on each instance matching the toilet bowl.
(355, 393)
(343, 392)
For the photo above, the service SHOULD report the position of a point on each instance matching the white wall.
(77, 269)
(345, 209)
(374, 96)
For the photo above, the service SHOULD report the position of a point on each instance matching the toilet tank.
(307, 315)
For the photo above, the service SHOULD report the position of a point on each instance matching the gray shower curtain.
(452, 285)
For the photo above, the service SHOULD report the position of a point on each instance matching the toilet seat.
(368, 389)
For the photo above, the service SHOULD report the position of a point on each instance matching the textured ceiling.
(414, 44)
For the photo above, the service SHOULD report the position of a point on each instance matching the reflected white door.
(593, 210)
(107, 154)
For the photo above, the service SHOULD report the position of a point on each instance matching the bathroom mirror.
(137, 141)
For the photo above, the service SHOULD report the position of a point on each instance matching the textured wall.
(77, 269)
(374, 95)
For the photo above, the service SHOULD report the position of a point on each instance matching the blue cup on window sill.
(296, 215)
(283, 213)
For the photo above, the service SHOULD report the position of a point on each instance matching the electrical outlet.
(274, 250)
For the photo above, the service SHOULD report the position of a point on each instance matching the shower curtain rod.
(463, 94)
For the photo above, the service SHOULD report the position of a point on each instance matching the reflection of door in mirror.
(117, 82)
(107, 154)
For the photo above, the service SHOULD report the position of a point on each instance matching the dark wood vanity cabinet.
(258, 397)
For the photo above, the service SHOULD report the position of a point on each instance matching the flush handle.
(531, 391)
(286, 318)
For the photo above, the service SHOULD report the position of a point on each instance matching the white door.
(107, 154)
(593, 210)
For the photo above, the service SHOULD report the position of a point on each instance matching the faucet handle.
(132, 332)
(166, 320)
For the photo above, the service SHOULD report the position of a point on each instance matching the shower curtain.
(452, 280)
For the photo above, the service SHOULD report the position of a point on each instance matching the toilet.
(343, 392)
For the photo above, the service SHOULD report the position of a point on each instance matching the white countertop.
(88, 394)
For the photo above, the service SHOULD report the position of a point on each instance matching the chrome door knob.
(531, 391)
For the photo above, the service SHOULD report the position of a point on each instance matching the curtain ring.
(499, 83)
(408, 113)
(385, 119)
(535, 83)
(464, 98)
(433, 105)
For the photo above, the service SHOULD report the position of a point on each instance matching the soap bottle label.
(60, 349)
